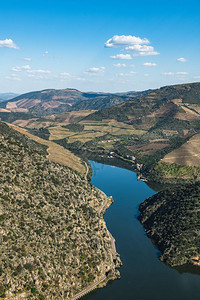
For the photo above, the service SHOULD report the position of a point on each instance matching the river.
(143, 276)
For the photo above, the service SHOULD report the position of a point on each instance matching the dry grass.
(51, 120)
(4, 110)
(148, 149)
(58, 133)
(190, 111)
(92, 129)
(163, 110)
(32, 123)
(56, 153)
(188, 154)
(112, 127)
(113, 130)
(73, 116)
(84, 137)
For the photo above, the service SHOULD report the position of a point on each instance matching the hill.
(147, 127)
(166, 101)
(52, 101)
(7, 96)
(56, 153)
(172, 220)
(53, 239)
(153, 124)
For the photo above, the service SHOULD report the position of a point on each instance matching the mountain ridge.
(51, 101)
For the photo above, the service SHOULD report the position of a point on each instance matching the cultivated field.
(148, 149)
(71, 117)
(32, 123)
(92, 130)
(53, 120)
(188, 154)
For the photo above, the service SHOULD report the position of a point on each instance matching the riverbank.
(143, 275)
(110, 273)
(171, 219)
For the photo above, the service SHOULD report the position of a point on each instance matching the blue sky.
(98, 45)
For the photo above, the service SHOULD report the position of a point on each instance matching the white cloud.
(95, 71)
(67, 76)
(8, 43)
(125, 40)
(13, 77)
(173, 74)
(45, 53)
(39, 71)
(127, 74)
(182, 59)
(182, 73)
(121, 56)
(168, 73)
(27, 59)
(149, 64)
(19, 69)
(79, 78)
(144, 48)
(146, 75)
(196, 77)
(37, 76)
(119, 65)
(146, 53)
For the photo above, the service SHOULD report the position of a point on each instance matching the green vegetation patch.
(174, 170)
(172, 221)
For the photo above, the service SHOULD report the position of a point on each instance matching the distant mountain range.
(52, 101)
(7, 96)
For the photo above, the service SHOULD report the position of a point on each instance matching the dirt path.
(87, 170)
(89, 289)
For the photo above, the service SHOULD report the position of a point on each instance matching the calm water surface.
(143, 276)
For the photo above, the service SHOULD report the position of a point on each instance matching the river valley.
(143, 276)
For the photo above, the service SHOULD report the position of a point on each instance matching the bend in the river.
(143, 276)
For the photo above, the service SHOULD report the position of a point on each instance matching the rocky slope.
(172, 220)
(53, 241)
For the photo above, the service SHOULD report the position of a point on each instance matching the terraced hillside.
(188, 154)
(164, 102)
(147, 127)
(150, 126)
(53, 240)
